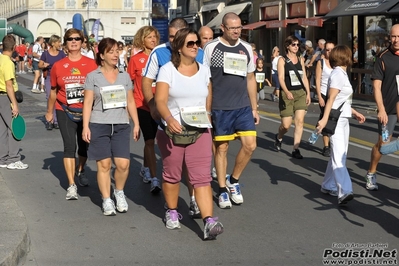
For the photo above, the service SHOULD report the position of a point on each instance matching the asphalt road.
(284, 220)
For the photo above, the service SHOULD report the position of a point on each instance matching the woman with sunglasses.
(184, 84)
(295, 96)
(67, 78)
(146, 39)
(107, 107)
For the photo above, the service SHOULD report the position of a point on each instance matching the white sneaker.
(213, 173)
(121, 204)
(17, 166)
(72, 192)
(234, 191)
(172, 218)
(224, 201)
(371, 181)
(145, 174)
(35, 90)
(109, 207)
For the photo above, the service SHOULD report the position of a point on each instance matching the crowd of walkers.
(93, 91)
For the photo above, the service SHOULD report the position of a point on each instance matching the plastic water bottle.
(385, 133)
(314, 136)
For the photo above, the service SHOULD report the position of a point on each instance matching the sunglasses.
(328, 50)
(294, 44)
(190, 44)
(70, 39)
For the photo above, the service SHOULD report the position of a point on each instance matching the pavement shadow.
(139, 192)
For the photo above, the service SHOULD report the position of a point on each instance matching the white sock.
(34, 86)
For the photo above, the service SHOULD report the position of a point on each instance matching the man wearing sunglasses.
(231, 61)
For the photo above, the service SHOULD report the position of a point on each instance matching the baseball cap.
(308, 43)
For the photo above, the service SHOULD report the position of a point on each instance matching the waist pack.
(189, 135)
(75, 114)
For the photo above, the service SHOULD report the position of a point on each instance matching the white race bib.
(235, 64)
(113, 96)
(294, 78)
(397, 82)
(260, 77)
(195, 116)
(74, 93)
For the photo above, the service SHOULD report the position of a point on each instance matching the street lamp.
(88, 3)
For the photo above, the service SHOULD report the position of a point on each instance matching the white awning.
(217, 21)
(213, 6)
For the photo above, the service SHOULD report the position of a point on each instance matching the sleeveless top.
(291, 79)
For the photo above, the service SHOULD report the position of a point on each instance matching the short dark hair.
(288, 41)
(178, 23)
(341, 55)
(71, 31)
(8, 43)
(104, 47)
(178, 43)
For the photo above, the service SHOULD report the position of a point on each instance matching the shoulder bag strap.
(291, 65)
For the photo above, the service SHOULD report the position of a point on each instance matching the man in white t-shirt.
(36, 54)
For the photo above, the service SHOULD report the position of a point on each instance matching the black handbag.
(332, 120)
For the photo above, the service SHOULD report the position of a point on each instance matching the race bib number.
(195, 116)
(260, 77)
(235, 64)
(74, 93)
(294, 78)
(113, 96)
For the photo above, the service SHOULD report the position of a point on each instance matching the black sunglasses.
(190, 44)
(70, 39)
(294, 44)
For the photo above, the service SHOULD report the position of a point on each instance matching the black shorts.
(21, 58)
(147, 125)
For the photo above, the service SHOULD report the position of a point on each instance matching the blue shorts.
(109, 141)
(230, 124)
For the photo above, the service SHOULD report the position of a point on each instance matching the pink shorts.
(197, 157)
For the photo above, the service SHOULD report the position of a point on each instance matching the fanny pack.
(189, 134)
(75, 114)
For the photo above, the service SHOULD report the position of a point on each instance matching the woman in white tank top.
(323, 71)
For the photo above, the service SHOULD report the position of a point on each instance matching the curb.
(14, 234)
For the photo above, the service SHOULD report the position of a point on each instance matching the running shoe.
(72, 192)
(155, 186)
(83, 181)
(17, 166)
(345, 198)
(172, 218)
(326, 151)
(234, 191)
(213, 173)
(296, 154)
(212, 228)
(109, 208)
(277, 143)
(224, 201)
(35, 90)
(121, 204)
(371, 181)
(330, 192)
(194, 211)
(145, 174)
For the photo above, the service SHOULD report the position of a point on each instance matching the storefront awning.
(217, 21)
(394, 10)
(276, 24)
(212, 6)
(362, 8)
(255, 25)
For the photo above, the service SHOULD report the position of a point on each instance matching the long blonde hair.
(141, 34)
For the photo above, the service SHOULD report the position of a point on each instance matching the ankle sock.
(233, 180)
(222, 189)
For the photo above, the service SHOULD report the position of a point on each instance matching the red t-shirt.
(135, 68)
(21, 49)
(66, 71)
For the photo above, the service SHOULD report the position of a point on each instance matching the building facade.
(119, 19)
